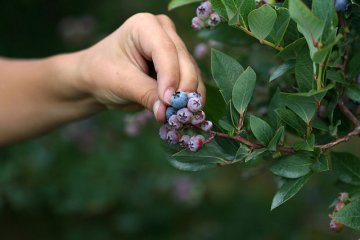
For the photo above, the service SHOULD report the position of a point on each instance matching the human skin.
(38, 95)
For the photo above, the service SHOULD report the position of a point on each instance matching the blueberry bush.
(291, 121)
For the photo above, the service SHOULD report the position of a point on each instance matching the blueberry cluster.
(342, 5)
(183, 116)
(205, 17)
(342, 199)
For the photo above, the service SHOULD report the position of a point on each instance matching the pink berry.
(206, 126)
(194, 104)
(195, 143)
(339, 206)
(335, 225)
(174, 122)
(197, 23)
(204, 10)
(201, 137)
(173, 136)
(214, 20)
(343, 197)
(198, 118)
(184, 140)
(184, 115)
(163, 131)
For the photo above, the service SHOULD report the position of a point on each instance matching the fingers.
(190, 77)
(154, 44)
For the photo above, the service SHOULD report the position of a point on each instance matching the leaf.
(304, 70)
(278, 136)
(335, 76)
(292, 120)
(254, 155)
(349, 215)
(178, 3)
(353, 92)
(325, 10)
(304, 107)
(282, 69)
(308, 24)
(321, 164)
(243, 90)
(288, 190)
(242, 153)
(354, 65)
(280, 26)
(306, 145)
(261, 130)
(347, 167)
(261, 21)
(226, 126)
(218, 6)
(211, 155)
(225, 71)
(292, 50)
(244, 8)
(292, 166)
(231, 8)
(215, 105)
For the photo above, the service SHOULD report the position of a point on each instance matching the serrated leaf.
(261, 21)
(349, 215)
(304, 72)
(261, 130)
(353, 92)
(347, 167)
(292, 120)
(179, 3)
(210, 156)
(278, 136)
(243, 90)
(306, 145)
(280, 26)
(225, 71)
(282, 69)
(288, 190)
(292, 166)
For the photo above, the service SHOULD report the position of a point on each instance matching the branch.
(348, 113)
(345, 138)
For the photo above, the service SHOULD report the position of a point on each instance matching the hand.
(116, 72)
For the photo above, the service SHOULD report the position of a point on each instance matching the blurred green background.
(95, 180)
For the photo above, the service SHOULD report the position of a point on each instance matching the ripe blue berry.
(163, 131)
(197, 23)
(195, 143)
(214, 20)
(184, 115)
(173, 136)
(341, 5)
(184, 140)
(194, 95)
(179, 100)
(204, 10)
(198, 118)
(174, 122)
(206, 126)
(194, 104)
(169, 112)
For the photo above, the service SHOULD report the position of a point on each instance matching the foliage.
(315, 105)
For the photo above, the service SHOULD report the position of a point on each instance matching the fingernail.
(168, 94)
(156, 107)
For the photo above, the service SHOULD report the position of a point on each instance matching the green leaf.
(211, 155)
(178, 3)
(242, 153)
(292, 120)
(282, 69)
(261, 130)
(335, 76)
(288, 190)
(254, 155)
(292, 50)
(278, 137)
(292, 166)
(280, 26)
(244, 8)
(231, 8)
(226, 126)
(308, 24)
(225, 71)
(304, 107)
(306, 145)
(243, 90)
(349, 215)
(347, 167)
(218, 6)
(353, 92)
(215, 105)
(325, 10)
(354, 65)
(304, 72)
(321, 164)
(261, 21)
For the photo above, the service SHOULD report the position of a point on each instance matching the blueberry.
(341, 5)
(174, 122)
(204, 10)
(198, 118)
(194, 104)
(197, 23)
(206, 126)
(214, 20)
(184, 115)
(184, 140)
(179, 100)
(169, 112)
(173, 136)
(195, 143)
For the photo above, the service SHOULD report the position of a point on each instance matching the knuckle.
(147, 98)
(166, 20)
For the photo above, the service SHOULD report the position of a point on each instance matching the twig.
(345, 138)
(348, 113)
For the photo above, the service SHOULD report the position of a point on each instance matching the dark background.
(90, 180)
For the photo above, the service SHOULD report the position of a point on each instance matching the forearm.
(38, 95)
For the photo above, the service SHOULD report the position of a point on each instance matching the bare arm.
(38, 95)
